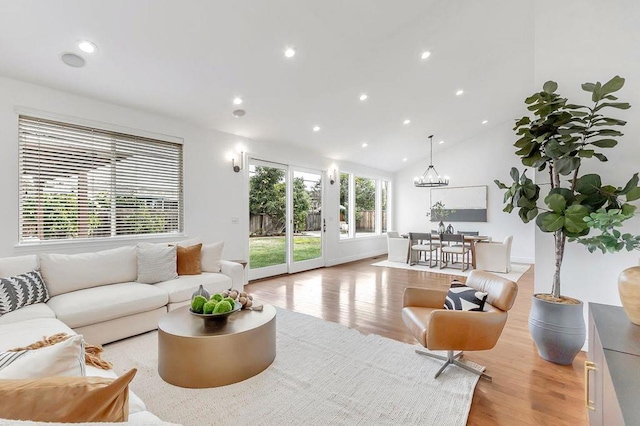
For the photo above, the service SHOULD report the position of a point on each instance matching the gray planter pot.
(557, 329)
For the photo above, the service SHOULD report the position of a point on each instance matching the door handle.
(588, 367)
(324, 225)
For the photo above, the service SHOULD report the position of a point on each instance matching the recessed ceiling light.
(237, 100)
(459, 92)
(405, 159)
(290, 52)
(485, 121)
(441, 142)
(86, 46)
(364, 97)
(407, 121)
(239, 113)
(364, 144)
(316, 128)
(73, 60)
(425, 54)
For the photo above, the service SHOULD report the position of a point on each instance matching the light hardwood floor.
(526, 390)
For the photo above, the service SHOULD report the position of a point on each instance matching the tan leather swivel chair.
(437, 328)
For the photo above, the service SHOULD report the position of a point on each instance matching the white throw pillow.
(156, 263)
(62, 359)
(210, 257)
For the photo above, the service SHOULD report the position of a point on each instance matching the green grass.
(268, 251)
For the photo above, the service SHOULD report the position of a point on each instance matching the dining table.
(471, 239)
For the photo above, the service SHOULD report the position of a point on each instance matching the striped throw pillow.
(7, 358)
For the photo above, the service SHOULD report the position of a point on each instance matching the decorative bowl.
(237, 306)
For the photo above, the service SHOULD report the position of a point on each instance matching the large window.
(384, 194)
(344, 205)
(79, 182)
(363, 202)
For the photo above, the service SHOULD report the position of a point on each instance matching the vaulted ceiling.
(189, 59)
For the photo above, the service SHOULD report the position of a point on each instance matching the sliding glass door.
(306, 211)
(285, 219)
(268, 251)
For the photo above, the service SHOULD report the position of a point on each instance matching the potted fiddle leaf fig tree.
(557, 140)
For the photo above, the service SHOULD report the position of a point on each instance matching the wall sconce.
(332, 175)
(240, 165)
(236, 156)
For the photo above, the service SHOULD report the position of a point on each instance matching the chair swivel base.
(452, 359)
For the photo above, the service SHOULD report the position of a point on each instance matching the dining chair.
(421, 244)
(454, 244)
(494, 256)
(470, 233)
(397, 247)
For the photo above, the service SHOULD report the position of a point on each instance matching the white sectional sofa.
(96, 295)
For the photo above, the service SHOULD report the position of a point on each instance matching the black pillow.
(463, 298)
(22, 290)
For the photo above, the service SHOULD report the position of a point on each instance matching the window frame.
(352, 234)
(117, 131)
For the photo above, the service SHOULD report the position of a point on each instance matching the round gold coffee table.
(193, 353)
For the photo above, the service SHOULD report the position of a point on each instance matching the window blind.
(81, 182)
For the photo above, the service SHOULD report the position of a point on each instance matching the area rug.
(517, 269)
(323, 374)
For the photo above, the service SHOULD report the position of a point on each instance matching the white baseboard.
(359, 256)
(528, 260)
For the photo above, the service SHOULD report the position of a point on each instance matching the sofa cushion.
(65, 358)
(21, 290)
(64, 273)
(145, 418)
(156, 262)
(39, 310)
(104, 303)
(181, 289)
(17, 265)
(24, 333)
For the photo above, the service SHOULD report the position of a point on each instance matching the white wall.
(579, 41)
(214, 194)
(478, 161)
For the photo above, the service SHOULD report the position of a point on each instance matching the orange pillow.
(189, 260)
(66, 399)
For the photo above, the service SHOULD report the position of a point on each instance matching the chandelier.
(431, 177)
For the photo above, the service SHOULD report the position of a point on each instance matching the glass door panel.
(268, 242)
(307, 220)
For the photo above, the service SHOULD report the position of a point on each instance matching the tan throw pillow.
(211, 256)
(189, 260)
(66, 399)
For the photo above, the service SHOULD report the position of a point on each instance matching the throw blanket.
(92, 353)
